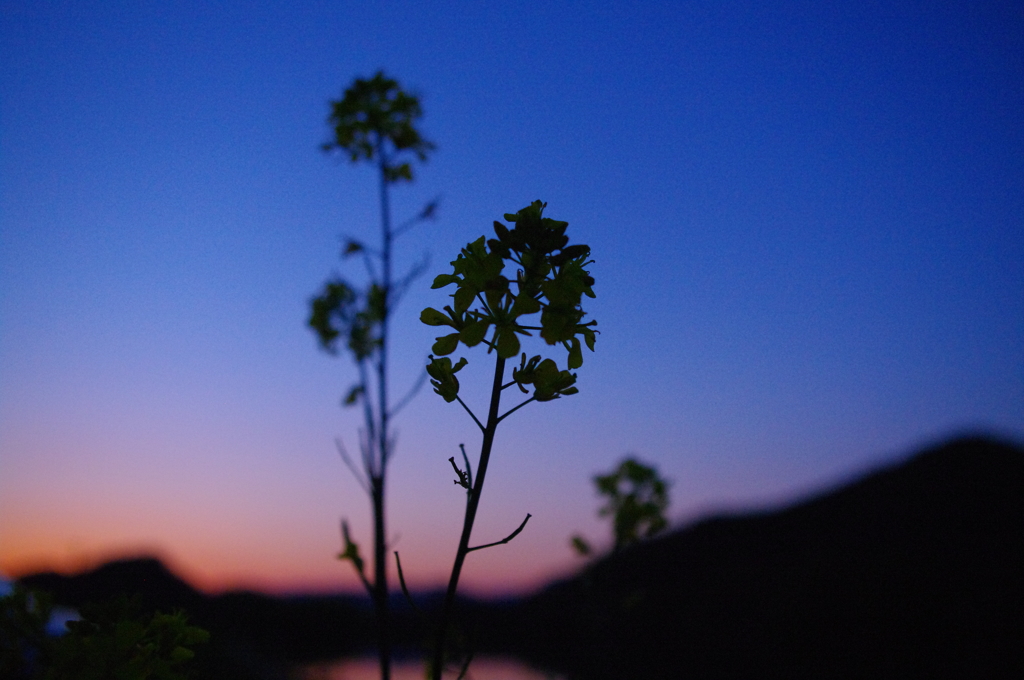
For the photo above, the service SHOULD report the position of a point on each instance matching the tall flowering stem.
(373, 122)
(528, 282)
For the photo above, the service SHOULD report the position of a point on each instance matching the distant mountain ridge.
(915, 570)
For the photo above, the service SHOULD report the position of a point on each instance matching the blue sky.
(807, 221)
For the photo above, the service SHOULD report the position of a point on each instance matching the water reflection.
(483, 668)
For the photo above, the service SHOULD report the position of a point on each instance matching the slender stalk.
(380, 564)
(391, 114)
(380, 589)
(472, 504)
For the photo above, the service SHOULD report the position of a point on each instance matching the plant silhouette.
(25, 644)
(373, 122)
(637, 498)
(113, 639)
(490, 309)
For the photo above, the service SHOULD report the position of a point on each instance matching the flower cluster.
(550, 280)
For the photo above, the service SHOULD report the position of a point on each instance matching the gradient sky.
(807, 220)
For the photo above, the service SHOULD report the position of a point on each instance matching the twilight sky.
(807, 220)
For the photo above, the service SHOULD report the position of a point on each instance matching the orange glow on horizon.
(214, 575)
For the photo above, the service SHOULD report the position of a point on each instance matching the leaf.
(575, 252)
(376, 303)
(353, 395)
(558, 323)
(464, 298)
(525, 304)
(580, 545)
(394, 173)
(429, 209)
(432, 317)
(501, 231)
(446, 344)
(550, 383)
(526, 372)
(334, 305)
(443, 373)
(473, 333)
(508, 343)
(351, 551)
(442, 280)
(575, 353)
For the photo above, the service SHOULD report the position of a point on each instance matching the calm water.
(482, 668)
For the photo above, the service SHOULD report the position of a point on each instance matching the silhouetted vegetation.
(374, 122)
(637, 501)
(491, 309)
(112, 639)
(25, 645)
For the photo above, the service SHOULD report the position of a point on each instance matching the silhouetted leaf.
(446, 344)
(353, 395)
(580, 545)
(443, 373)
(442, 280)
(432, 317)
(508, 343)
(575, 353)
(473, 333)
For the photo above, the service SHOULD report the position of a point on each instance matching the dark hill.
(913, 571)
(146, 577)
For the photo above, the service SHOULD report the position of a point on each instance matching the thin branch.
(409, 396)
(463, 480)
(504, 540)
(399, 289)
(472, 504)
(465, 666)
(368, 458)
(426, 214)
(389, 446)
(469, 468)
(351, 466)
(367, 453)
(405, 226)
(368, 263)
(513, 410)
(508, 384)
(483, 303)
(371, 424)
(471, 414)
(401, 580)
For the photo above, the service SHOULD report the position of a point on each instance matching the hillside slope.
(913, 571)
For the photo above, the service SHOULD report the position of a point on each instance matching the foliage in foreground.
(112, 640)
